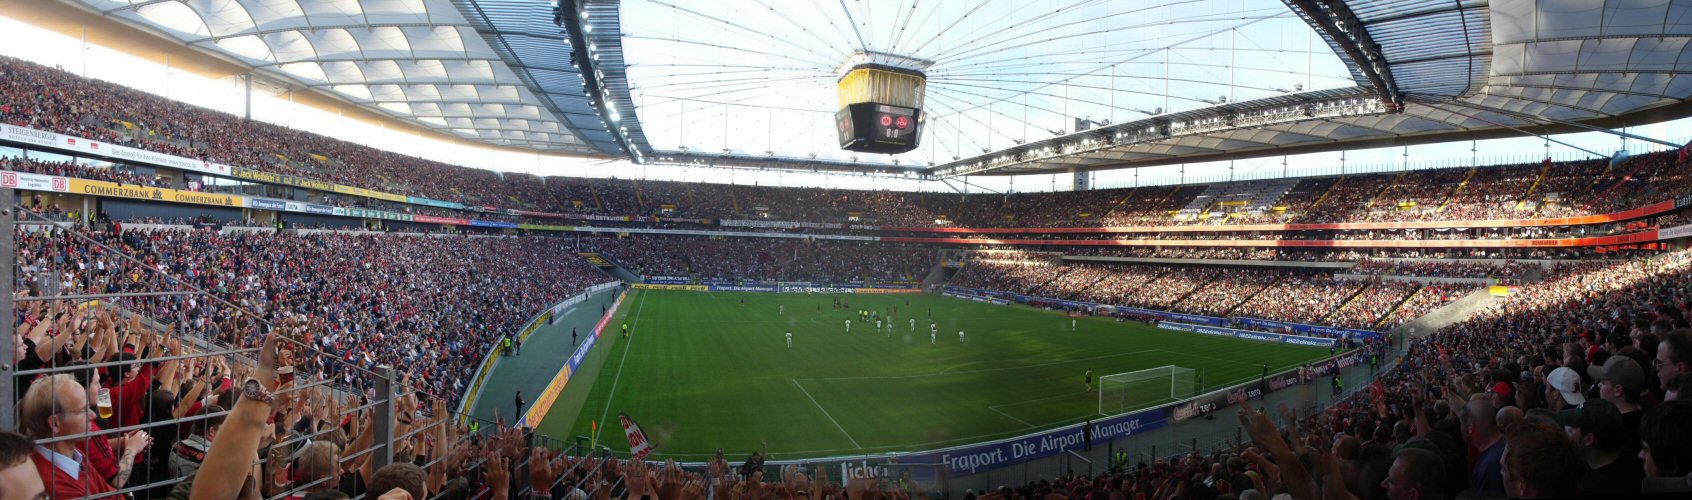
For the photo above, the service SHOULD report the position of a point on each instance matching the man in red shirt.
(57, 406)
(129, 393)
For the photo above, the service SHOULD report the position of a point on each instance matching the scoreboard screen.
(878, 128)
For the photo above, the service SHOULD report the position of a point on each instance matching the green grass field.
(709, 370)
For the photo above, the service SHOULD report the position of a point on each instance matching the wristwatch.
(252, 389)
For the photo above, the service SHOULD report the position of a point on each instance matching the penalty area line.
(826, 414)
(1009, 416)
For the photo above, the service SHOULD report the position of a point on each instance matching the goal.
(1124, 392)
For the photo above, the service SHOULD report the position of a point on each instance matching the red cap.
(1504, 389)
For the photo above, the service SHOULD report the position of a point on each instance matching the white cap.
(1567, 382)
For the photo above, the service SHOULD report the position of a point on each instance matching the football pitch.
(707, 370)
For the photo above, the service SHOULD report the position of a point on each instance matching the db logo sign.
(9, 179)
(59, 184)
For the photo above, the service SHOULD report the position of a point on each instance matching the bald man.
(1480, 430)
(1508, 417)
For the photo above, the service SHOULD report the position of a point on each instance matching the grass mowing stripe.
(711, 368)
(620, 364)
(825, 414)
(987, 370)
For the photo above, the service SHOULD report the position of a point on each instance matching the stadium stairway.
(937, 274)
(1457, 310)
(618, 271)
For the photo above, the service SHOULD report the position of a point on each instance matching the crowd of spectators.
(770, 259)
(1300, 298)
(109, 172)
(1220, 297)
(1570, 387)
(1273, 294)
(1424, 300)
(1545, 395)
(1440, 269)
(1124, 280)
(1174, 286)
(414, 301)
(1069, 280)
(1005, 276)
(1365, 310)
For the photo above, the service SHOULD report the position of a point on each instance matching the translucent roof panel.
(1466, 69)
(410, 59)
(758, 77)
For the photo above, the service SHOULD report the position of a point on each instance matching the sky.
(777, 115)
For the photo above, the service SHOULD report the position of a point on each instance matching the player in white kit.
(848, 326)
(789, 339)
(961, 336)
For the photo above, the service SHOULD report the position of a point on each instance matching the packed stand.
(114, 174)
(371, 299)
(1439, 269)
(1301, 298)
(1221, 296)
(771, 259)
(1365, 310)
(1006, 276)
(1570, 387)
(1425, 300)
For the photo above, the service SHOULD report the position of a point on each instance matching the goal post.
(1124, 392)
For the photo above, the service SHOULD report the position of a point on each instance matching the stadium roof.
(1462, 70)
(1035, 87)
(1014, 86)
(495, 71)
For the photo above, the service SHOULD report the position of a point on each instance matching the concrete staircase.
(937, 275)
(1450, 314)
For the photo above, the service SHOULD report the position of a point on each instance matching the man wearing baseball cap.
(1620, 381)
(1565, 388)
(1596, 428)
(1503, 394)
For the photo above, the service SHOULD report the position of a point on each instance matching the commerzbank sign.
(101, 188)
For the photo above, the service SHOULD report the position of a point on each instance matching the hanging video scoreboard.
(878, 128)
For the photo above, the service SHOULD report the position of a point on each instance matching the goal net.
(1124, 392)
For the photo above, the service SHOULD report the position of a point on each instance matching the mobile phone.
(285, 374)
